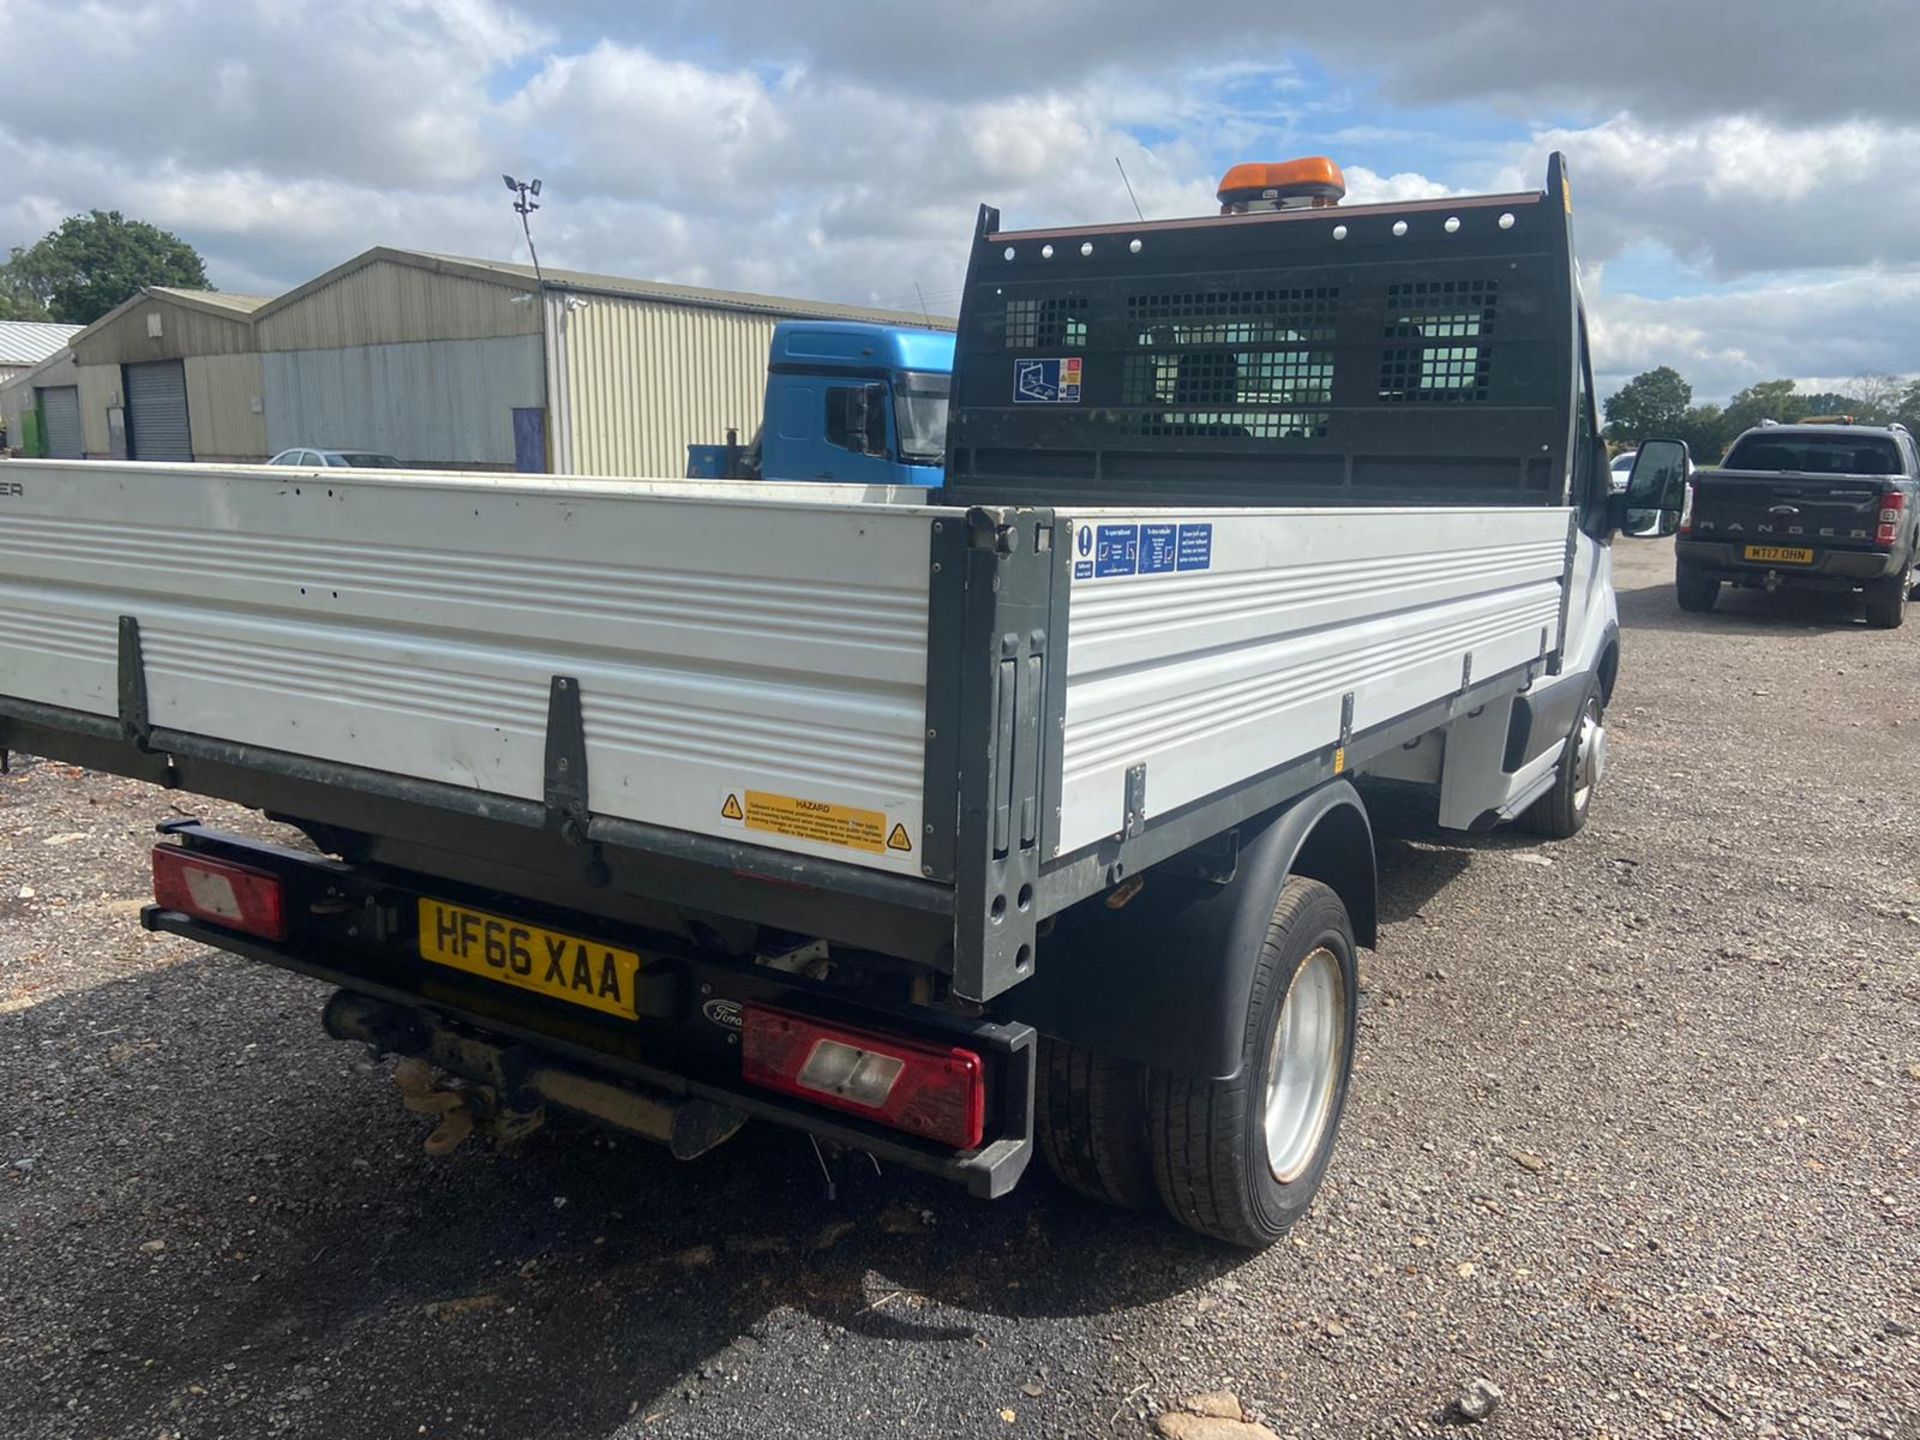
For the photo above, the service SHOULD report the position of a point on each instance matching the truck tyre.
(1561, 813)
(1240, 1159)
(1091, 1122)
(1696, 592)
(1887, 600)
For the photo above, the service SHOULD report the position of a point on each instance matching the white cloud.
(1531, 57)
(1810, 330)
(1738, 195)
(840, 151)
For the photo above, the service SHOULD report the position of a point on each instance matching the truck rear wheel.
(1887, 601)
(1240, 1159)
(1091, 1121)
(1696, 592)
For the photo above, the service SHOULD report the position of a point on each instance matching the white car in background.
(1622, 468)
(313, 459)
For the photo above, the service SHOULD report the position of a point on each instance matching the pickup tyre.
(1240, 1159)
(1887, 600)
(1696, 592)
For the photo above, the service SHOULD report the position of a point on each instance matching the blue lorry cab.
(848, 401)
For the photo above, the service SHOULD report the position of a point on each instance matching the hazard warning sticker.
(795, 817)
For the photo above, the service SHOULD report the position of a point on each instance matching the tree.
(92, 263)
(1906, 409)
(1704, 428)
(1827, 402)
(1651, 403)
(20, 289)
(1768, 400)
(1876, 399)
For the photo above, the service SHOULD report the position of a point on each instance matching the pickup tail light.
(219, 892)
(930, 1090)
(1686, 510)
(1893, 506)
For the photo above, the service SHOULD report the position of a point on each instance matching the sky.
(1746, 175)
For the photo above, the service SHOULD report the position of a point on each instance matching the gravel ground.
(1634, 1135)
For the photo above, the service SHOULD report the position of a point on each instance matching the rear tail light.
(220, 892)
(1686, 510)
(1892, 506)
(936, 1091)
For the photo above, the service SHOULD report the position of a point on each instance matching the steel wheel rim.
(1589, 757)
(1303, 1064)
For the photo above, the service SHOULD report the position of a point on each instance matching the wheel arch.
(1164, 979)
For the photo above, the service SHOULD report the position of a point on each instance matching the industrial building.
(25, 343)
(441, 361)
(166, 375)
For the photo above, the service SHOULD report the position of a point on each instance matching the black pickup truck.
(1833, 507)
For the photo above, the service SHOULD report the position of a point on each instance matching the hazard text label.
(820, 821)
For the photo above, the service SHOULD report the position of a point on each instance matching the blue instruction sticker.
(1157, 548)
(1196, 547)
(1116, 550)
(1083, 569)
(1047, 382)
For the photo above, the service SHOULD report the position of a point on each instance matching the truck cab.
(846, 401)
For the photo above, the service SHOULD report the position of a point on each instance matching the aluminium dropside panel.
(1206, 648)
(771, 650)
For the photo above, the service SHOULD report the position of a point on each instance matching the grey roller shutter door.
(60, 409)
(157, 410)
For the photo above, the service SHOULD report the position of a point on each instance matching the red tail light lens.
(219, 892)
(1892, 506)
(1686, 511)
(935, 1091)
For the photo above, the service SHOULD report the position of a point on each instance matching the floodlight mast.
(525, 206)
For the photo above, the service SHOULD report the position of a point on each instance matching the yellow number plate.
(1780, 554)
(547, 962)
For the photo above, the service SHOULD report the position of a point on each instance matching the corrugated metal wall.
(388, 304)
(60, 422)
(225, 402)
(184, 331)
(16, 395)
(157, 426)
(438, 402)
(644, 380)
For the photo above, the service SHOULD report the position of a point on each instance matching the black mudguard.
(1164, 979)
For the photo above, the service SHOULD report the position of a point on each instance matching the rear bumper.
(349, 928)
(1830, 568)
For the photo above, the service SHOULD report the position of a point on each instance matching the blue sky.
(1748, 205)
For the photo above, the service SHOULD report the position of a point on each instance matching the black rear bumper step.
(989, 1172)
(357, 938)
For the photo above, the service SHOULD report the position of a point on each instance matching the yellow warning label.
(816, 820)
(897, 838)
(730, 808)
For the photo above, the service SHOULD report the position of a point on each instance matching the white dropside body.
(752, 659)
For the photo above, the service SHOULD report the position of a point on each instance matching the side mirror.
(1656, 490)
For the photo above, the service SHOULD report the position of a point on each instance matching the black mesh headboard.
(1385, 354)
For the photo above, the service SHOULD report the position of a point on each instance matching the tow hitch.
(474, 1085)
